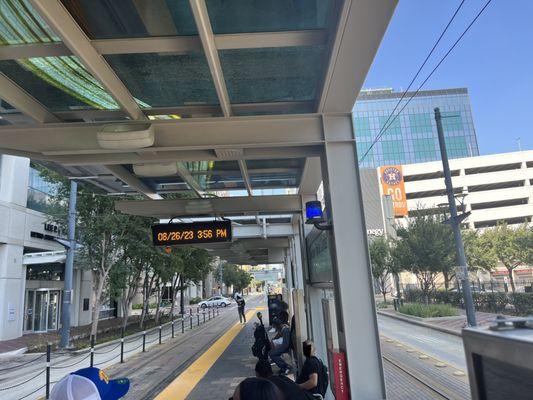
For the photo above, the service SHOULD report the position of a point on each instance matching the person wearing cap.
(89, 384)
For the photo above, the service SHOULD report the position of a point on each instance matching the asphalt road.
(442, 346)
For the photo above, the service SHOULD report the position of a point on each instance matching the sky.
(494, 61)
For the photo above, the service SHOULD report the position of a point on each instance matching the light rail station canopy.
(233, 91)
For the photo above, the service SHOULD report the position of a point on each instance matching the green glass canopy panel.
(166, 80)
(104, 19)
(272, 74)
(59, 83)
(21, 24)
(240, 16)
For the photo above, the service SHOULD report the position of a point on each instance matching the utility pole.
(455, 222)
(69, 267)
(221, 271)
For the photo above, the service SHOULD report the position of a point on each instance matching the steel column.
(354, 297)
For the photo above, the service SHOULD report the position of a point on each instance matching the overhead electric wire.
(385, 126)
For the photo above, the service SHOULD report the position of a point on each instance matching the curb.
(420, 323)
(13, 353)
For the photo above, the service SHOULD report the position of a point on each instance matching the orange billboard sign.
(392, 184)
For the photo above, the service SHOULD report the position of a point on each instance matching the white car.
(220, 301)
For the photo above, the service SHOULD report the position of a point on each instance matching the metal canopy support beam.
(189, 180)
(219, 206)
(354, 296)
(311, 177)
(22, 101)
(203, 24)
(352, 56)
(271, 39)
(73, 36)
(171, 44)
(291, 107)
(23, 51)
(135, 183)
(246, 177)
(275, 132)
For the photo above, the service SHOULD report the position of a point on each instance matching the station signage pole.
(455, 222)
(69, 267)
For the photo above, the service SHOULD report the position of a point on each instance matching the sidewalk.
(35, 341)
(451, 325)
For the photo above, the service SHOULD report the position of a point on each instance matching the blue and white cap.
(89, 384)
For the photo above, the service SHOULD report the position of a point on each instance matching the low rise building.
(32, 263)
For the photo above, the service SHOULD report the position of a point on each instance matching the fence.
(87, 358)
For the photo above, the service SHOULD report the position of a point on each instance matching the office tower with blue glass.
(412, 137)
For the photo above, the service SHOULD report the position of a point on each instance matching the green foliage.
(497, 302)
(195, 300)
(383, 305)
(523, 303)
(233, 275)
(382, 263)
(428, 310)
(425, 248)
(478, 250)
(511, 247)
(138, 306)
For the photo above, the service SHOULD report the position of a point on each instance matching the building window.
(45, 272)
(420, 123)
(40, 193)
(424, 149)
(456, 146)
(393, 152)
(362, 127)
(451, 121)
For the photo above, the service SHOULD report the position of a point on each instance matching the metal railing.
(158, 334)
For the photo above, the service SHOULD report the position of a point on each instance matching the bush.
(414, 296)
(443, 297)
(429, 310)
(195, 300)
(523, 303)
(137, 306)
(383, 305)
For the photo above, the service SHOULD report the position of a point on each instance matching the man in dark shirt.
(290, 390)
(308, 378)
(240, 308)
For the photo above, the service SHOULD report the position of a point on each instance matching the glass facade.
(412, 137)
(40, 193)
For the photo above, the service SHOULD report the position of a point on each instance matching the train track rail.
(434, 387)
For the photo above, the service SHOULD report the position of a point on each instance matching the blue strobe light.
(313, 211)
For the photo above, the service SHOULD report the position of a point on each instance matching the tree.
(511, 247)
(233, 275)
(380, 256)
(479, 251)
(101, 230)
(426, 248)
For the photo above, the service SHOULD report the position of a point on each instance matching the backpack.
(323, 378)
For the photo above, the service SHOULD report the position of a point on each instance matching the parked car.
(215, 301)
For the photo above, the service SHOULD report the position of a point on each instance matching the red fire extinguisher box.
(340, 375)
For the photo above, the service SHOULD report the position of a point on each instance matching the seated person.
(311, 370)
(280, 345)
(257, 389)
(289, 388)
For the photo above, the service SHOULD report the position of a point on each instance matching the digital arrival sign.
(191, 233)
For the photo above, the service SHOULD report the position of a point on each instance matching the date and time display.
(190, 233)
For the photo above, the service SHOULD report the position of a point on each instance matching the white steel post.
(354, 297)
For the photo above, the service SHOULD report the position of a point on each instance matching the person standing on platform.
(240, 308)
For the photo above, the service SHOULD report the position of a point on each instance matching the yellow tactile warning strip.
(184, 384)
